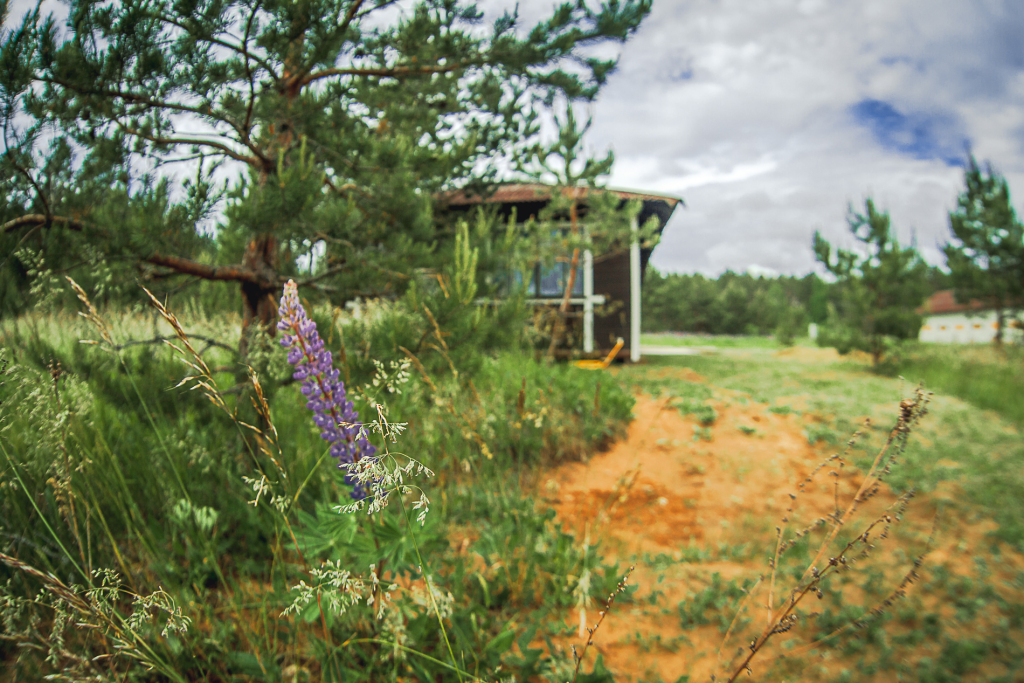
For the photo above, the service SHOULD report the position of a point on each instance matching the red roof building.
(947, 320)
(945, 302)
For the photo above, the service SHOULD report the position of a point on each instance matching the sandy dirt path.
(692, 508)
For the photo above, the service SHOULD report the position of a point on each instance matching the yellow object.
(601, 364)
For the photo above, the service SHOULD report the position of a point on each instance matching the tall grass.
(200, 538)
(983, 375)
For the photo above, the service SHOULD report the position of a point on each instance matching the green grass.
(711, 341)
(126, 472)
(980, 374)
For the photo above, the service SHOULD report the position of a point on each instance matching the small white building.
(949, 321)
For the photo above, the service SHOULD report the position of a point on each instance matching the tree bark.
(259, 295)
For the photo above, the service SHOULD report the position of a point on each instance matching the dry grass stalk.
(784, 617)
(92, 315)
(203, 379)
(608, 603)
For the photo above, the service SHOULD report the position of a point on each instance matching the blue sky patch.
(919, 135)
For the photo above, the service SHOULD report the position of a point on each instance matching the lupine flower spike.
(332, 412)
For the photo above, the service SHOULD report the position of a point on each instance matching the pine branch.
(394, 72)
(308, 282)
(241, 50)
(247, 124)
(257, 162)
(149, 102)
(40, 219)
(300, 79)
(185, 266)
(379, 5)
(32, 181)
(130, 97)
(349, 16)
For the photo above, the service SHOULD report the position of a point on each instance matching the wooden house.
(605, 301)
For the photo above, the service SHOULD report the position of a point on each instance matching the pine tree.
(335, 122)
(879, 287)
(987, 263)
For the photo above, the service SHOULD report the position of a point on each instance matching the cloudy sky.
(769, 117)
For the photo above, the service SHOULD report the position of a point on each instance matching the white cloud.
(747, 111)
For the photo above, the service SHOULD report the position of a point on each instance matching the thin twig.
(603, 613)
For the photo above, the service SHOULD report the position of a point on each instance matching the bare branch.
(206, 272)
(40, 219)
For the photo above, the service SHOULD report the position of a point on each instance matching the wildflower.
(332, 412)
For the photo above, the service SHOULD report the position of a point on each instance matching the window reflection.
(552, 281)
(544, 282)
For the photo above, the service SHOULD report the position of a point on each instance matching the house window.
(551, 282)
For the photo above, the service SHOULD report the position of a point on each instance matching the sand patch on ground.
(684, 509)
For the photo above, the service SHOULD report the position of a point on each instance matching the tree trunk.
(563, 309)
(259, 300)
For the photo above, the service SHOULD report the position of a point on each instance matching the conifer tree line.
(745, 304)
(732, 303)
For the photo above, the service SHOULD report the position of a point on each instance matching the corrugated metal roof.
(514, 193)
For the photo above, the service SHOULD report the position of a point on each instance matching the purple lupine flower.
(332, 413)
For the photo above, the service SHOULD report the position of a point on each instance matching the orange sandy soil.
(660, 491)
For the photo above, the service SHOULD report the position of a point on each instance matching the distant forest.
(741, 304)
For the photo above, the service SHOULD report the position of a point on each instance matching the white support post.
(634, 295)
(588, 301)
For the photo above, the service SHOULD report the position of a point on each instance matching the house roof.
(944, 301)
(512, 193)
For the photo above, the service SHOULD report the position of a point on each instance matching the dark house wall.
(611, 278)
